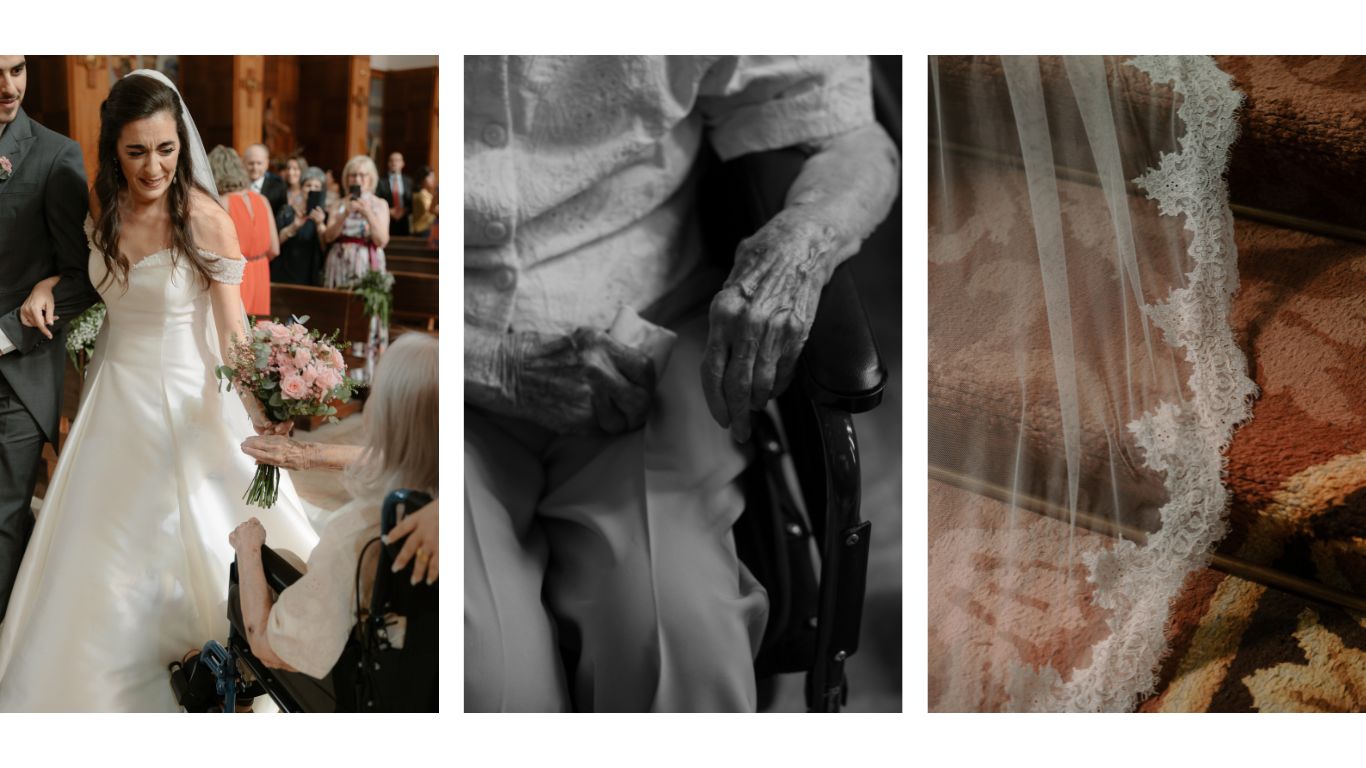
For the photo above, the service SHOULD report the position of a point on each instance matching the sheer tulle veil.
(1083, 377)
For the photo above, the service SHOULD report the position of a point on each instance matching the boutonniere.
(6, 168)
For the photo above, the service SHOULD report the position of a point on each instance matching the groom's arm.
(64, 208)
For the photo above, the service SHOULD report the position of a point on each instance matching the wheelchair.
(808, 546)
(381, 669)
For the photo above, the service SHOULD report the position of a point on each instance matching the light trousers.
(601, 573)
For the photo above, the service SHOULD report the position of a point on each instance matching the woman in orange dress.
(256, 232)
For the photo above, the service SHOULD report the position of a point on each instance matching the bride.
(127, 567)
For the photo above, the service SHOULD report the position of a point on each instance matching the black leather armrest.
(840, 366)
(280, 574)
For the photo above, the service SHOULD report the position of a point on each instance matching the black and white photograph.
(682, 335)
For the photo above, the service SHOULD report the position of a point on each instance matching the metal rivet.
(813, 622)
(852, 540)
(841, 656)
(495, 135)
(794, 529)
(772, 446)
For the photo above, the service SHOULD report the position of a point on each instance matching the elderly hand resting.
(584, 383)
(760, 319)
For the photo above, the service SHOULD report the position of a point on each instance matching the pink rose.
(310, 374)
(301, 357)
(328, 380)
(337, 361)
(278, 333)
(293, 387)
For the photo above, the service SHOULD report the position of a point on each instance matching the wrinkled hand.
(278, 451)
(584, 383)
(760, 319)
(318, 215)
(248, 536)
(421, 544)
(39, 309)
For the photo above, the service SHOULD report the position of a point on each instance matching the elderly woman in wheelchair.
(323, 617)
(611, 374)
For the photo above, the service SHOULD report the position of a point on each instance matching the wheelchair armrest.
(280, 574)
(840, 366)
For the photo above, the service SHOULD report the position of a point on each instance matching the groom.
(42, 233)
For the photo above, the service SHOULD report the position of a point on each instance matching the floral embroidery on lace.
(224, 270)
(1183, 441)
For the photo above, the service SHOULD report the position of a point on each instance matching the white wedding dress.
(128, 565)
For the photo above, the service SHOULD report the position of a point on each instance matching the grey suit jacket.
(42, 233)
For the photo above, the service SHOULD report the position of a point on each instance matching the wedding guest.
(332, 190)
(256, 232)
(424, 202)
(292, 175)
(257, 161)
(357, 228)
(305, 629)
(396, 189)
(301, 254)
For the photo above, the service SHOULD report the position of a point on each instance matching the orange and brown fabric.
(1301, 149)
(1296, 470)
(1239, 646)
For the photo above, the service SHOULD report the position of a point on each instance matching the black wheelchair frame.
(816, 598)
(373, 674)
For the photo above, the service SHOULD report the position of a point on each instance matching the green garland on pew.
(377, 290)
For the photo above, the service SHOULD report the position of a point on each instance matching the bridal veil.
(1083, 378)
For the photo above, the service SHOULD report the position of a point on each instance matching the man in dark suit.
(43, 204)
(272, 187)
(397, 190)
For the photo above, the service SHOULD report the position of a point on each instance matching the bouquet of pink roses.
(293, 372)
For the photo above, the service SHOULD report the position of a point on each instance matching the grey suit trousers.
(21, 450)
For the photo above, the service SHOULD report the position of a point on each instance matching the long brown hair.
(134, 98)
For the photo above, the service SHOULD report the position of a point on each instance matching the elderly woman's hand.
(248, 537)
(760, 319)
(584, 383)
(278, 450)
(420, 528)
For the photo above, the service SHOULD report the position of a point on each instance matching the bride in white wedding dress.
(127, 567)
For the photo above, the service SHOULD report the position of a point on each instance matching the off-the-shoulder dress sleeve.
(224, 270)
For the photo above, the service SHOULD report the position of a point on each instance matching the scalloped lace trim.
(1184, 441)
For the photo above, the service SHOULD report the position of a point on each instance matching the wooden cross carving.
(252, 86)
(92, 65)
